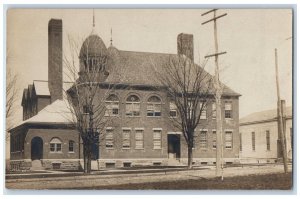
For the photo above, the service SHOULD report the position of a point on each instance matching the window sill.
(71, 152)
(139, 148)
(109, 148)
(111, 115)
(229, 119)
(133, 116)
(157, 148)
(56, 152)
(154, 116)
(125, 148)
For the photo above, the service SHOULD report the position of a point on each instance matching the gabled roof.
(137, 68)
(56, 113)
(41, 88)
(262, 116)
(25, 96)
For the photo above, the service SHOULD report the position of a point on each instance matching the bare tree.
(87, 98)
(189, 87)
(11, 97)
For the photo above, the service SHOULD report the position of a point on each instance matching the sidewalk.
(51, 173)
(102, 179)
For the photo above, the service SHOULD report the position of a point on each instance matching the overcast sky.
(248, 35)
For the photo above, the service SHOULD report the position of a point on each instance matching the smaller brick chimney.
(185, 45)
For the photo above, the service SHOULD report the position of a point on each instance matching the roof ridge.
(35, 80)
(128, 51)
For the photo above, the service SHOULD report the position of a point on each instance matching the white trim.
(126, 128)
(157, 129)
(109, 128)
(139, 128)
(174, 133)
(56, 162)
(109, 161)
(228, 130)
(202, 130)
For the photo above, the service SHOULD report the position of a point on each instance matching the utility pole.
(280, 119)
(217, 85)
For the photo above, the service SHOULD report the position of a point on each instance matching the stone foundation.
(121, 163)
(61, 164)
(209, 161)
(20, 165)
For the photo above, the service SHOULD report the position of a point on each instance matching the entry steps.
(36, 165)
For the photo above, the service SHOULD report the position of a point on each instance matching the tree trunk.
(89, 159)
(190, 156)
(85, 158)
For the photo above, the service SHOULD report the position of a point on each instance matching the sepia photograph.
(149, 99)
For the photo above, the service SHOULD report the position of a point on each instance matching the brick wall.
(47, 134)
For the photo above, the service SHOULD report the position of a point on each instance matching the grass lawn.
(278, 181)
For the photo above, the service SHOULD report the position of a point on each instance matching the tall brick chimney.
(185, 45)
(55, 76)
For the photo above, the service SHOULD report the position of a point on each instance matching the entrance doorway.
(36, 148)
(174, 146)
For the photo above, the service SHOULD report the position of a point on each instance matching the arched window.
(55, 145)
(173, 110)
(133, 105)
(154, 106)
(112, 105)
(71, 146)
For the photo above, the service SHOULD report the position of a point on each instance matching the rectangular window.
(109, 139)
(213, 111)
(133, 109)
(71, 146)
(228, 110)
(153, 110)
(157, 139)
(203, 111)
(126, 139)
(228, 139)
(214, 139)
(173, 110)
(112, 108)
(203, 139)
(241, 146)
(58, 147)
(139, 139)
(52, 147)
(268, 140)
(253, 141)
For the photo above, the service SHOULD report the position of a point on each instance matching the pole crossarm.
(215, 54)
(213, 19)
(212, 10)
